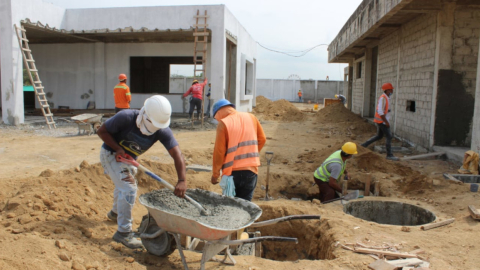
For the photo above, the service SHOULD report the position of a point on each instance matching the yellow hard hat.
(336, 96)
(195, 81)
(350, 148)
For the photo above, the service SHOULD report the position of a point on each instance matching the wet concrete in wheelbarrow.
(224, 213)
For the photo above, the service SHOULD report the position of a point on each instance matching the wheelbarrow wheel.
(163, 245)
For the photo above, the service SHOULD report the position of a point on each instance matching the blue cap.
(221, 103)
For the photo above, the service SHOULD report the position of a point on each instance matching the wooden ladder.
(34, 79)
(202, 52)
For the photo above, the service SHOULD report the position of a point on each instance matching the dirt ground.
(54, 197)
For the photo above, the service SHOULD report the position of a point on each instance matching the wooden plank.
(424, 156)
(367, 185)
(201, 34)
(385, 253)
(438, 224)
(201, 16)
(450, 177)
(381, 265)
(474, 212)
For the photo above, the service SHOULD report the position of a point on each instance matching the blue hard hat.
(221, 103)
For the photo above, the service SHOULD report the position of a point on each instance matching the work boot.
(394, 158)
(127, 239)
(112, 216)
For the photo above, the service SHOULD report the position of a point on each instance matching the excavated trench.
(392, 213)
(315, 240)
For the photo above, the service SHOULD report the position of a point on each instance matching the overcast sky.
(281, 25)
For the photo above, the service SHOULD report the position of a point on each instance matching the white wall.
(476, 115)
(275, 89)
(11, 12)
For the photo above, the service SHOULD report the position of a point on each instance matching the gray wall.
(275, 89)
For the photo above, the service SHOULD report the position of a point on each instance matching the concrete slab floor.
(454, 154)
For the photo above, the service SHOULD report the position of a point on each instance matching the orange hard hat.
(122, 77)
(387, 86)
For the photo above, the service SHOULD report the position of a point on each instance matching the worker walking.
(382, 120)
(121, 94)
(239, 140)
(197, 96)
(133, 132)
(329, 174)
(209, 97)
(342, 98)
(300, 96)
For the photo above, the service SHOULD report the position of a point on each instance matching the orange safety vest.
(377, 119)
(242, 148)
(299, 93)
(122, 96)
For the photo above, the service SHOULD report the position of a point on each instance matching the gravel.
(225, 213)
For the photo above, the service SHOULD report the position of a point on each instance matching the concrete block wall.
(357, 88)
(465, 47)
(275, 89)
(416, 79)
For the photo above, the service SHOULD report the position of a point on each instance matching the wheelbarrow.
(160, 230)
(88, 123)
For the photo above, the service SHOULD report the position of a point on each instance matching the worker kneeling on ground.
(329, 174)
(133, 132)
(239, 140)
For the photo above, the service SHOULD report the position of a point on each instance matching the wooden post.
(376, 191)
(438, 224)
(367, 185)
(258, 245)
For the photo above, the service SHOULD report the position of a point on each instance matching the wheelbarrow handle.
(258, 239)
(129, 160)
(282, 219)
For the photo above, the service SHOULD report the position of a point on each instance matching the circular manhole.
(393, 213)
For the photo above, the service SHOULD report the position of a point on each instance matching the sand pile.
(337, 113)
(281, 110)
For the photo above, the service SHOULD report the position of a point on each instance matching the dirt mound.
(281, 110)
(337, 113)
(373, 162)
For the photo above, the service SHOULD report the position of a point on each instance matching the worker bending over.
(382, 120)
(121, 94)
(197, 96)
(239, 140)
(342, 98)
(133, 132)
(329, 174)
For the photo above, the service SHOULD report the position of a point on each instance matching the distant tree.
(26, 79)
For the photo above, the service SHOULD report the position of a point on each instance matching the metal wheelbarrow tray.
(88, 122)
(216, 239)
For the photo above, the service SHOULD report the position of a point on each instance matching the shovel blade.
(351, 196)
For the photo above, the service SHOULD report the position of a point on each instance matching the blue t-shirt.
(123, 127)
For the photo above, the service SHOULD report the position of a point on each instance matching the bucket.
(474, 187)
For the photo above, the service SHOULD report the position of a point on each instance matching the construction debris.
(474, 212)
(423, 156)
(438, 224)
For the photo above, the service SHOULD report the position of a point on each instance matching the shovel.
(350, 196)
(131, 161)
(268, 157)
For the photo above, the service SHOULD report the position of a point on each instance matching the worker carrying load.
(121, 94)
(382, 120)
(197, 96)
(133, 132)
(329, 174)
(239, 140)
(342, 98)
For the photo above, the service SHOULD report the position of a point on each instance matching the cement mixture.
(224, 214)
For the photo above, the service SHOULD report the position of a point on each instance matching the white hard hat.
(158, 110)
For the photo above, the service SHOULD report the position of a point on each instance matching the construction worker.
(300, 95)
(209, 95)
(197, 96)
(342, 98)
(329, 174)
(133, 132)
(121, 94)
(239, 140)
(382, 120)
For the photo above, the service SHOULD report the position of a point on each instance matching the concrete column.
(100, 77)
(12, 68)
(217, 65)
(367, 82)
(443, 55)
(476, 115)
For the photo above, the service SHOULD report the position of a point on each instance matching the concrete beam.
(476, 115)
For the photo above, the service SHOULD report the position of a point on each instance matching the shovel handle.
(268, 156)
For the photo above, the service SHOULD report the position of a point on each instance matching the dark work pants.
(208, 108)
(119, 109)
(195, 102)
(245, 183)
(382, 130)
(327, 193)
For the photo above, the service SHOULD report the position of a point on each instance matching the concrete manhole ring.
(389, 212)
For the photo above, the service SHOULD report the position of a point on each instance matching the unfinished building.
(80, 52)
(429, 51)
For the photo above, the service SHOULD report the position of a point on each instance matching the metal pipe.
(282, 219)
